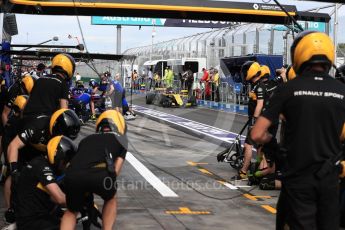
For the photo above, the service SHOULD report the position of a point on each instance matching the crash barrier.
(230, 95)
(236, 94)
(228, 107)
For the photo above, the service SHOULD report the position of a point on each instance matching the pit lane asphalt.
(176, 153)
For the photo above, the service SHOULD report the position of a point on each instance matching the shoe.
(240, 176)
(129, 117)
(10, 216)
(93, 117)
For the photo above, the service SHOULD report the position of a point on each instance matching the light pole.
(153, 36)
(55, 38)
(335, 31)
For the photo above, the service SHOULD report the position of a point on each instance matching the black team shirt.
(45, 96)
(314, 108)
(257, 93)
(91, 151)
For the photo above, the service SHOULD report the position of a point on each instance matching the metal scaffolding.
(238, 40)
(215, 44)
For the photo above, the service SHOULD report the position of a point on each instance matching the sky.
(34, 29)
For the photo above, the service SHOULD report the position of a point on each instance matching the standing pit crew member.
(115, 92)
(313, 105)
(251, 72)
(38, 191)
(50, 92)
(95, 87)
(94, 169)
(267, 165)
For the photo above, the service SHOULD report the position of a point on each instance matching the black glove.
(13, 167)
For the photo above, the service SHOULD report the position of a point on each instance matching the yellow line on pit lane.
(255, 198)
(191, 163)
(205, 171)
(269, 208)
(187, 211)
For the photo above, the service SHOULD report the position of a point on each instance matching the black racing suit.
(87, 172)
(314, 107)
(33, 201)
(258, 92)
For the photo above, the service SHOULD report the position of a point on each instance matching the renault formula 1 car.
(167, 98)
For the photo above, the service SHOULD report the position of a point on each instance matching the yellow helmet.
(27, 83)
(312, 47)
(113, 121)
(265, 71)
(60, 151)
(290, 73)
(65, 64)
(19, 103)
(64, 122)
(250, 70)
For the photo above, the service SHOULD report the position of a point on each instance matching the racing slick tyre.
(149, 98)
(166, 102)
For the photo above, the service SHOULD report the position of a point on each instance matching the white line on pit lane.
(230, 186)
(184, 124)
(162, 188)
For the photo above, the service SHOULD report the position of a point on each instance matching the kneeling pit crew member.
(313, 105)
(38, 190)
(10, 131)
(94, 169)
(20, 87)
(37, 133)
(33, 137)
